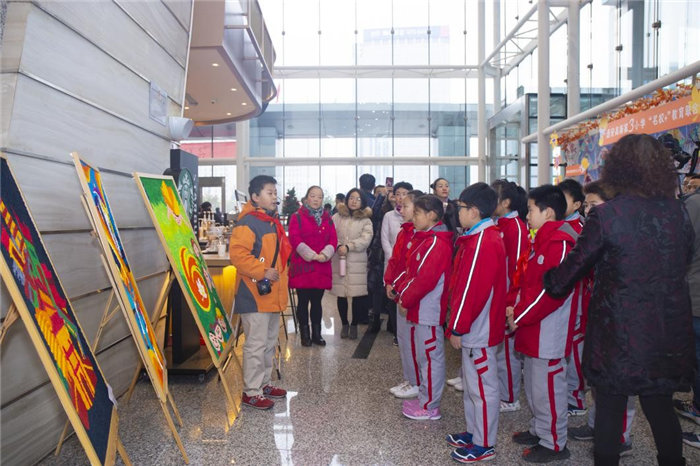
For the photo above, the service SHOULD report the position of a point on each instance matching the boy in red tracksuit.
(422, 299)
(511, 199)
(573, 191)
(477, 299)
(543, 328)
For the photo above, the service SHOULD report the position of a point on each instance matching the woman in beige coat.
(354, 227)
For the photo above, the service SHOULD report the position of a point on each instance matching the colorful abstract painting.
(123, 278)
(163, 203)
(51, 323)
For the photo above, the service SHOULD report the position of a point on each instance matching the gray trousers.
(626, 422)
(429, 344)
(574, 373)
(261, 332)
(481, 397)
(546, 390)
(509, 369)
(409, 364)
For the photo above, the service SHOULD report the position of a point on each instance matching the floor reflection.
(284, 431)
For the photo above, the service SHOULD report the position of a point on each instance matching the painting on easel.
(118, 267)
(47, 314)
(163, 203)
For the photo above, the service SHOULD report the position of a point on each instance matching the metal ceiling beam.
(379, 71)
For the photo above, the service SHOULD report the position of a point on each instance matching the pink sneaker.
(413, 410)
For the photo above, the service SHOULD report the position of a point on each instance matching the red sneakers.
(274, 392)
(257, 402)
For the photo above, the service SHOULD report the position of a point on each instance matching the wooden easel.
(107, 315)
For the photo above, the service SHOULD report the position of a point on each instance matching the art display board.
(58, 338)
(118, 267)
(163, 204)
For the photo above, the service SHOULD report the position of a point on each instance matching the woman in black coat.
(639, 337)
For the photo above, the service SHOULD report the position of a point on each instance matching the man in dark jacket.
(691, 409)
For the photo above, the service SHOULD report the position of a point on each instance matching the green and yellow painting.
(170, 218)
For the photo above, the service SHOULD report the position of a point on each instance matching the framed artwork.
(169, 216)
(42, 304)
(117, 265)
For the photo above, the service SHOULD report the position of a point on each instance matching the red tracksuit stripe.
(484, 410)
(579, 372)
(430, 361)
(509, 369)
(413, 354)
(625, 421)
(552, 403)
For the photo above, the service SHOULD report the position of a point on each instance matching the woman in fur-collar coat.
(353, 225)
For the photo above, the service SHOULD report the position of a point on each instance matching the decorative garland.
(659, 97)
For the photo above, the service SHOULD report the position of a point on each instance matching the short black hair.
(340, 197)
(573, 188)
(414, 194)
(367, 182)
(481, 196)
(258, 183)
(379, 186)
(549, 196)
(327, 206)
(430, 203)
(403, 185)
(598, 188)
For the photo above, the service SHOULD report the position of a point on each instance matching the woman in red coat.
(314, 241)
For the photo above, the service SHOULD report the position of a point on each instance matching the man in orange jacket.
(259, 249)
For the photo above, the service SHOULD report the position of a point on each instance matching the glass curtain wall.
(355, 107)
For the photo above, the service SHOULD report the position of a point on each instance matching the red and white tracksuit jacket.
(575, 221)
(545, 324)
(477, 291)
(396, 267)
(516, 241)
(421, 289)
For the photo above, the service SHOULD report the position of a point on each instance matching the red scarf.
(285, 246)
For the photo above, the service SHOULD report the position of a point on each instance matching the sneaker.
(575, 411)
(257, 402)
(459, 440)
(273, 392)
(453, 382)
(584, 433)
(413, 410)
(393, 390)
(473, 454)
(396, 342)
(344, 331)
(526, 438)
(539, 454)
(510, 407)
(407, 391)
(691, 439)
(687, 409)
(459, 386)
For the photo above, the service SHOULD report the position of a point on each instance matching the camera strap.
(277, 249)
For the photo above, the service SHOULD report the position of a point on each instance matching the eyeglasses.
(463, 207)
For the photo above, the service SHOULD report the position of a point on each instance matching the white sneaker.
(400, 386)
(459, 386)
(453, 382)
(408, 391)
(510, 407)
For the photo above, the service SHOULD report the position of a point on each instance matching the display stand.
(40, 300)
(125, 289)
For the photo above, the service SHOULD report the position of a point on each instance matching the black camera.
(264, 286)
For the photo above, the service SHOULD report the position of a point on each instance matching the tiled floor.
(338, 411)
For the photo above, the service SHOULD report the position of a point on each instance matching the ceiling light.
(214, 65)
(243, 103)
(234, 89)
(187, 108)
(228, 114)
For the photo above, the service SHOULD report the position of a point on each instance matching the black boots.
(316, 335)
(305, 337)
(375, 323)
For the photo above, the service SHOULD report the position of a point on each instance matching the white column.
(481, 110)
(242, 155)
(496, 41)
(543, 157)
(573, 86)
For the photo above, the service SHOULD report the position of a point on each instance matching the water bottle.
(342, 263)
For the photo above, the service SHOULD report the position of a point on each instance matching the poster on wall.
(123, 278)
(163, 204)
(678, 121)
(46, 312)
